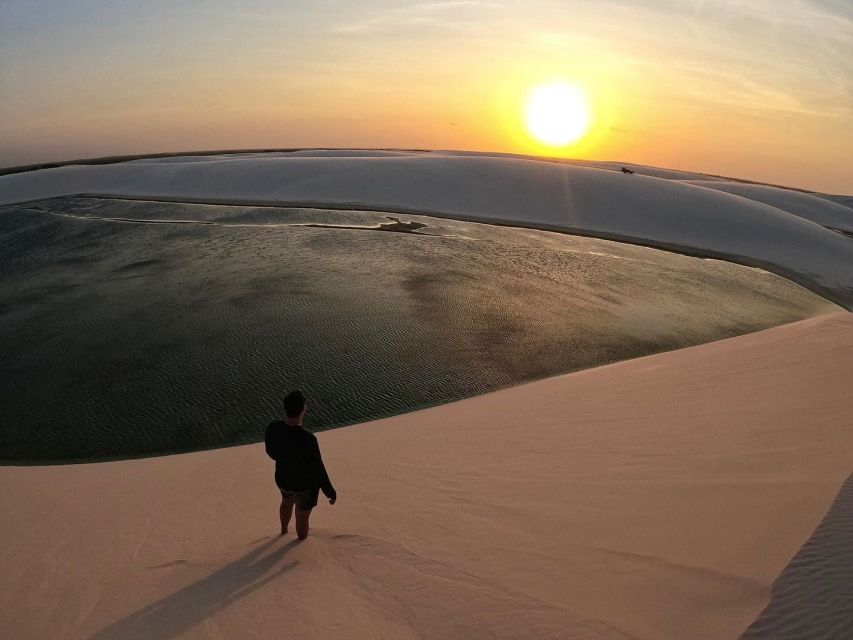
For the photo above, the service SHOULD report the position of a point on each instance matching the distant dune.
(811, 207)
(847, 201)
(672, 214)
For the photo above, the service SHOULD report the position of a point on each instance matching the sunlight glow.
(557, 114)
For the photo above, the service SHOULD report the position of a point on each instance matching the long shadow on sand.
(179, 612)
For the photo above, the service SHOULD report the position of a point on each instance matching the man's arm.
(271, 452)
(321, 476)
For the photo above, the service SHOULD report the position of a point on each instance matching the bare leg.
(284, 513)
(302, 523)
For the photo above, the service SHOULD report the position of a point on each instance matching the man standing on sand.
(299, 469)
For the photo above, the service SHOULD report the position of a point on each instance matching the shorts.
(304, 500)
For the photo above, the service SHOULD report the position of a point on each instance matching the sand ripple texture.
(133, 328)
(813, 598)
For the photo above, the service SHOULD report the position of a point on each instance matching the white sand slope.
(654, 498)
(644, 170)
(603, 203)
(847, 201)
(805, 205)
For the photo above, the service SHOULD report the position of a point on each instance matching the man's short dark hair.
(294, 403)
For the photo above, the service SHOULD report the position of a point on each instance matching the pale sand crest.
(654, 498)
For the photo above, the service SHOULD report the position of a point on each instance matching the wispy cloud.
(450, 15)
(745, 55)
(791, 57)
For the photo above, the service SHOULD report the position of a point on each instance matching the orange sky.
(755, 90)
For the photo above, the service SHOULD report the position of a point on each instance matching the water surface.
(132, 328)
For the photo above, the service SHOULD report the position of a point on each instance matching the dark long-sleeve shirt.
(298, 464)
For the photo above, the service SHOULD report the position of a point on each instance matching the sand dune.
(662, 497)
(644, 170)
(655, 498)
(603, 203)
(847, 201)
(805, 205)
(813, 598)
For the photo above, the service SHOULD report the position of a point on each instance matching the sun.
(557, 114)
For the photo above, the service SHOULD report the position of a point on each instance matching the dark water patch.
(271, 288)
(218, 320)
(137, 265)
(71, 261)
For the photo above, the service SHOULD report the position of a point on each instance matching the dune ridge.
(654, 498)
